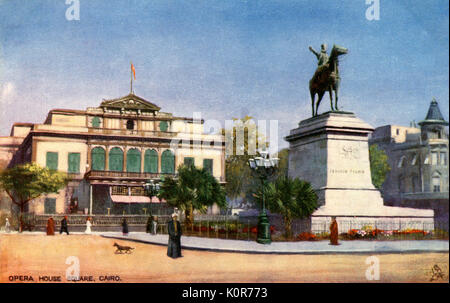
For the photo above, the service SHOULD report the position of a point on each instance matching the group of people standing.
(65, 226)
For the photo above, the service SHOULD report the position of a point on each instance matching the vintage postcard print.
(275, 141)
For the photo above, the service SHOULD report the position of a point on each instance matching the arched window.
(436, 181)
(133, 160)
(151, 161)
(130, 124)
(167, 162)
(116, 159)
(98, 158)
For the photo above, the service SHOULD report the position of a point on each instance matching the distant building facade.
(110, 153)
(418, 157)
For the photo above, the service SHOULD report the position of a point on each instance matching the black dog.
(123, 249)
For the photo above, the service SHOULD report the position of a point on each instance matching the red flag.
(133, 70)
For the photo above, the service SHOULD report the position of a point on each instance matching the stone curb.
(274, 252)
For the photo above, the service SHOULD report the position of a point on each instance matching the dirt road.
(43, 258)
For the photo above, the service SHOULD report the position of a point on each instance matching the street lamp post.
(152, 189)
(264, 167)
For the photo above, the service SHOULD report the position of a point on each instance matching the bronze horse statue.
(326, 78)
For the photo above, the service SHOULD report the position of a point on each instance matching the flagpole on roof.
(131, 77)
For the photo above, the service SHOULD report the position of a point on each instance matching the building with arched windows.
(111, 152)
(418, 157)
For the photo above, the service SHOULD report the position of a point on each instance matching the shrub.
(306, 236)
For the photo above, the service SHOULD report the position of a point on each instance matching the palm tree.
(193, 189)
(292, 198)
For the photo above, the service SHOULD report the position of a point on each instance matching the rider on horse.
(322, 58)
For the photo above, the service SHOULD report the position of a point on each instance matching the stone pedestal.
(331, 151)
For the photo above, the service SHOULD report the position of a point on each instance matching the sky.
(223, 58)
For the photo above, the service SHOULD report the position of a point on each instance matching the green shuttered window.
(115, 159)
(167, 162)
(208, 165)
(134, 160)
(49, 206)
(52, 160)
(74, 163)
(163, 126)
(96, 122)
(151, 161)
(189, 161)
(98, 158)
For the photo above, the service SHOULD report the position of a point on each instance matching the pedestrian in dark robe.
(149, 228)
(174, 229)
(334, 234)
(124, 227)
(64, 227)
(50, 227)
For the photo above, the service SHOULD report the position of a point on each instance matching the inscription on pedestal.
(350, 152)
(346, 171)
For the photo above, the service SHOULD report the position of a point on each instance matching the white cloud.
(7, 92)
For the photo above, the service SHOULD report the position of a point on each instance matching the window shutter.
(151, 161)
(74, 163)
(167, 162)
(98, 158)
(49, 206)
(52, 160)
(115, 159)
(96, 122)
(134, 161)
(163, 126)
(208, 165)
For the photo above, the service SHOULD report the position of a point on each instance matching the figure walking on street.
(64, 227)
(174, 229)
(124, 227)
(50, 227)
(155, 225)
(7, 226)
(334, 232)
(88, 226)
(149, 227)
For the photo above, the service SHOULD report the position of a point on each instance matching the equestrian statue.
(326, 77)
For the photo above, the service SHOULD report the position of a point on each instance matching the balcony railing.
(131, 132)
(106, 174)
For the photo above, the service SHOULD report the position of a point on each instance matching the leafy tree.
(292, 198)
(238, 174)
(283, 163)
(379, 166)
(193, 189)
(26, 182)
